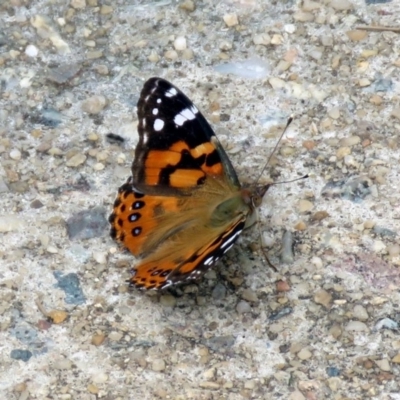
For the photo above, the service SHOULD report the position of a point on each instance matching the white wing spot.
(158, 101)
(144, 122)
(158, 124)
(209, 261)
(187, 114)
(227, 249)
(155, 111)
(167, 284)
(171, 92)
(231, 239)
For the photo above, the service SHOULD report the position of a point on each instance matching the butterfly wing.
(177, 147)
(180, 210)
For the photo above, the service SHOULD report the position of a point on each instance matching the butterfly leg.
(263, 250)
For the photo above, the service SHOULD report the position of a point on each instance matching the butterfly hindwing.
(153, 274)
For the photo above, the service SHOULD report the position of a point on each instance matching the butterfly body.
(183, 207)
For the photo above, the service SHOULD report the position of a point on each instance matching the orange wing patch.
(135, 218)
(181, 166)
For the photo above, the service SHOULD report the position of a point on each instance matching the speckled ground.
(326, 325)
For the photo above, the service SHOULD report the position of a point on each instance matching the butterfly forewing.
(177, 147)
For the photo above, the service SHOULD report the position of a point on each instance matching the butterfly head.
(253, 196)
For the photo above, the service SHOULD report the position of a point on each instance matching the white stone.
(15, 154)
(31, 50)
(180, 43)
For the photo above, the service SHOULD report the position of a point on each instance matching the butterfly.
(183, 207)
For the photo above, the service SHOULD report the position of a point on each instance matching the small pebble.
(287, 255)
(334, 113)
(231, 19)
(105, 9)
(22, 355)
(15, 154)
(342, 152)
(383, 364)
(180, 43)
(305, 206)
(262, 39)
(31, 50)
(93, 389)
(302, 16)
(335, 330)
(62, 364)
(364, 82)
(396, 359)
(304, 354)
(393, 250)
(98, 166)
(76, 160)
(171, 55)
(360, 313)
(300, 226)
(277, 39)
(188, 5)
(319, 216)
(341, 5)
(98, 339)
(158, 365)
(249, 295)
(70, 284)
(323, 297)
(100, 378)
(356, 326)
(282, 286)
(243, 307)
(94, 104)
(219, 292)
(78, 4)
(395, 113)
(115, 336)
(350, 141)
(357, 35)
(168, 300)
(57, 316)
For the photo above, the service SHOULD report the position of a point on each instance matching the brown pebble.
(92, 389)
(396, 359)
(57, 316)
(282, 286)
(323, 297)
(43, 325)
(366, 143)
(98, 339)
(300, 226)
(20, 387)
(356, 35)
(308, 144)
(188, 5)
(319, 216)
(376, 99)
(335, 330)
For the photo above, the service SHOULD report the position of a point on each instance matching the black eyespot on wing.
(136, 231)
(134, 217)
(138, 204)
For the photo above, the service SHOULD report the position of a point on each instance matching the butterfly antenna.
(292, 180)
(289, 121)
